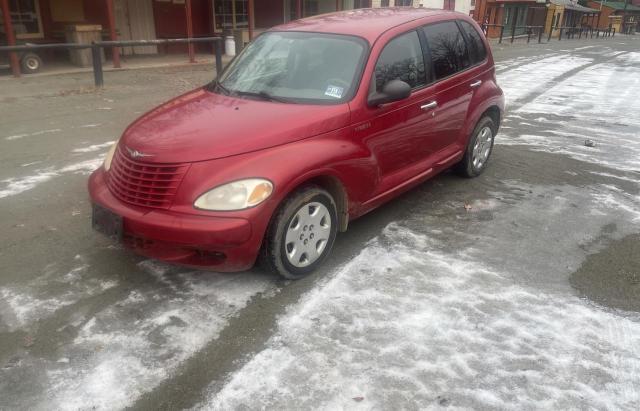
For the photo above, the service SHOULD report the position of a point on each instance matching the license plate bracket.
(107, 222)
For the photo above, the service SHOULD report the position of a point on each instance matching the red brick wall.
(604, 15)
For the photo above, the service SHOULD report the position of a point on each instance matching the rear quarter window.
(447, 47)
(477, 51)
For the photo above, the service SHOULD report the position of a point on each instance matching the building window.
(25, 16)
(230, 14)
(404, 3)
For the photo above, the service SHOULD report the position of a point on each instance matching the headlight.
(109, 156)
(237, 195)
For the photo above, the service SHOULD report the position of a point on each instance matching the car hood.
(202, 125)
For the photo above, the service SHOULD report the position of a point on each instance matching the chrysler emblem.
(136, 154)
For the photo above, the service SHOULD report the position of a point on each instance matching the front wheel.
(479, 149)
(301, 234)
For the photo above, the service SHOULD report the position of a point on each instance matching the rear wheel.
(30, 63)
(479, 149)
(301, 234)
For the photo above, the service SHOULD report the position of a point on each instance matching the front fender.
(335, 154)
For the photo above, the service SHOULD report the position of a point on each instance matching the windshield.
(297, 67)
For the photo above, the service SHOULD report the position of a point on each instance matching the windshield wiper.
(216, 85)
(263, 95)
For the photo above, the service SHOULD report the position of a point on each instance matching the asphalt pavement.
(515, 290)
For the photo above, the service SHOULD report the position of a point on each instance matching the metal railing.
(538, 31)
(589, 32)
(529, 31)
(97, 46)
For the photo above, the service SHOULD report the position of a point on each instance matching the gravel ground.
(515, 290)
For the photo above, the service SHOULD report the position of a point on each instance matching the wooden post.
(192, 54)
(299, 9)
(11, 37)
(337, 5)
(251, 19)
(113, 34)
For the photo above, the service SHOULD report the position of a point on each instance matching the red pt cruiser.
(314, 124)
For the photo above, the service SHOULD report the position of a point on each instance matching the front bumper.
(218, 243)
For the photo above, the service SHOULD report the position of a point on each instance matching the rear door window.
(447, 47)
(401, 59)
(477, 52)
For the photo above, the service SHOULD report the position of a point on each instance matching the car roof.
(366, 23)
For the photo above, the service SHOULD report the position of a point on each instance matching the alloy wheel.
(482, 147)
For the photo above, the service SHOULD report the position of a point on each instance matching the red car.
(314, 124)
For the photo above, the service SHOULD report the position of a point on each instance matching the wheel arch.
(494, 113)
(333, 185)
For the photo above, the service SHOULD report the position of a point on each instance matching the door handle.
(429, 105)
(476, 84)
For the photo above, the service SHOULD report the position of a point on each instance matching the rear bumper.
(217, 243)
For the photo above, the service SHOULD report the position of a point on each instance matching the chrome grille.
(144, 184)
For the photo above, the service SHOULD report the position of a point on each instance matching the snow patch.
(524, 80)
(17, 185)
(24, 305)
(123, 357)
(592, 106)
(94, 147)
(410, 321)
(37, 133)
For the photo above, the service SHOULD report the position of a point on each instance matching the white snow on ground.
(412, 323)
(36, 133)
(517, 61)
(94, 147)
(521, 81)
(118, 354)
(50, 131)
(13, 186)
(17, 185)
(630, 58)
(593, 106)
(21, 306)
(90, 125)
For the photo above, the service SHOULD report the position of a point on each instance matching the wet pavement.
(515, 290)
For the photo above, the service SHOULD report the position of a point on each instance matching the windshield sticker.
(334, 91)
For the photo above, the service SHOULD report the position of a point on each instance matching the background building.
(512, 14)
(568, 13)
(51, 21)
(616, 11)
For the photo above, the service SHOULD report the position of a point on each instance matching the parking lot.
(519, 289)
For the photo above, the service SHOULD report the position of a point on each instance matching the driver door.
(398, 131)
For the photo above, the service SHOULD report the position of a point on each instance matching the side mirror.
(394, 90)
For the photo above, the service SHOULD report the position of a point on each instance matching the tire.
(30, 63)
(306, 221)
(479, 149)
